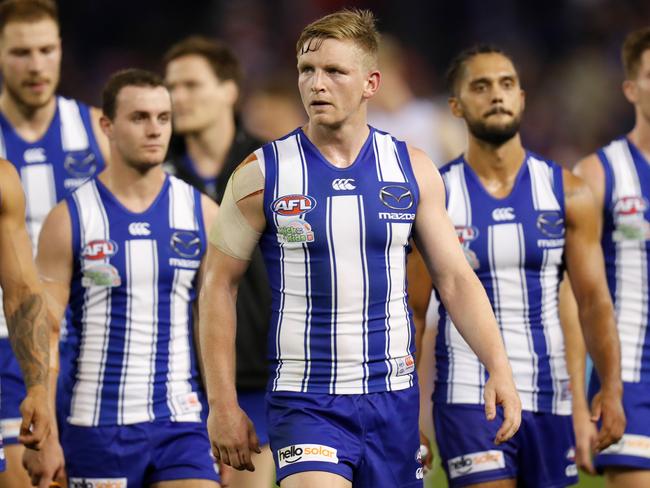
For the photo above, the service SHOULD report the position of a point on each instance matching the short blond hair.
(348, 24)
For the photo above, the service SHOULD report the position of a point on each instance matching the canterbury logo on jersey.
(503, 213)
(139, 229)
(35, 155)
(344, 184)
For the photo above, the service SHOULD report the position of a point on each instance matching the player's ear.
(106, 125)
(232, 91)
(372, 83)
(630, 91)
(455, 107)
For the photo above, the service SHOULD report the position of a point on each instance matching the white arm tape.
(231, 233)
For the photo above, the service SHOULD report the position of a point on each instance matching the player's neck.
(209, 148)
(496, 166)
(340, 145)
(640, 136)
(134, 189)
(30, 123)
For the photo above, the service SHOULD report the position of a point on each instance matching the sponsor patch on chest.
(101, 274)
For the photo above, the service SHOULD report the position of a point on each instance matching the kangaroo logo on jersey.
(551, 224)
(186, 244)
(101, 274)
(503, 214)
(80, 164)
(35, 155)
(292, 205)
(396, 197)
(99, 249)
(139, 229)
(344, 184)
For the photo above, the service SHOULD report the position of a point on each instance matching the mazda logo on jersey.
(291, 205)
(186, 244)
(551, 224)
(80, 164)
(396, 197)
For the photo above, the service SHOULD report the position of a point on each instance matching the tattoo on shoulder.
(29, 336)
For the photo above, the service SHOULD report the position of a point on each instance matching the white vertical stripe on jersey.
(542, 185)
(86, 395)
(259, 154)
(179, 364)
(291, 330)
(40, 195)
(138, 366)
(182, 214)
(511, 304)
(467, 368)
(305, 248)
(388, 166)
(399, 331)
(73, 132)
(3, 146)
(544, 198)
(348, 267)
(631, 269)
(552, 328)
(366, 304)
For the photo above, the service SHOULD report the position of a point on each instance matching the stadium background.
(567, 53)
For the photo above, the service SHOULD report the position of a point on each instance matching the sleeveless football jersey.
(335, 247)
(131, 299)
(516, 246)
(626, 246)
(50, 168)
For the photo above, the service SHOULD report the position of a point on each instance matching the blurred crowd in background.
(567, 52)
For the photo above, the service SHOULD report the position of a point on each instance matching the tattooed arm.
(24, 308)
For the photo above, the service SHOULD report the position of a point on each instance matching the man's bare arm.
(462, 293)
(419, 291)
(24, 304)
(586, 269)
(233, 238)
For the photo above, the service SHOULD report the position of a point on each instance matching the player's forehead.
(30, 33)
(149, 99)
(189, 67)
(489, 66)
(330, 51)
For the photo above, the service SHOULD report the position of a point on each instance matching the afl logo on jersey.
(80, 164)
(466, 233)
(630, 206)
(291, 205)
(99, 249)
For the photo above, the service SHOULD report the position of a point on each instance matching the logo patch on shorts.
(631, 445)
(476, 462)
(97, 482)
(299, 453)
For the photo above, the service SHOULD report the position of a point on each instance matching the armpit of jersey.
(231, 233)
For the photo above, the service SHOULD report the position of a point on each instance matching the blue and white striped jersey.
(335, 246)
(131, 299)
(515, 245)
(626, 246)
(50, 168)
